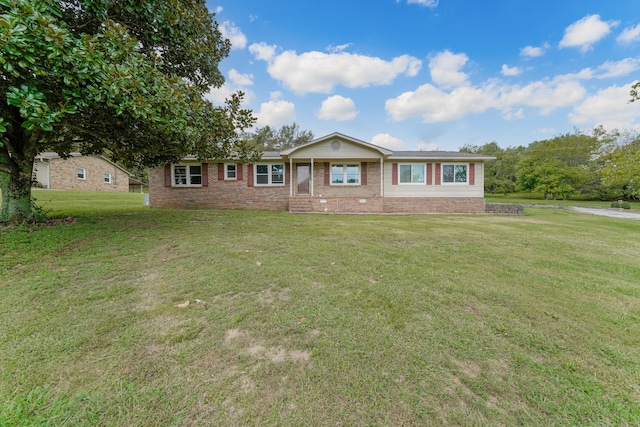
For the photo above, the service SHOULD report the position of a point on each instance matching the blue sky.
(434, 74)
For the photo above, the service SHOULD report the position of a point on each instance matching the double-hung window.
(269, 174)
(230, 172)
(345, 174)
(187, 175)
(82, 173)
(454, 173)
(412, 174)
(107, 178)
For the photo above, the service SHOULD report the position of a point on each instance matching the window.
(82, 173)
(107, 177)
(230, 171)
(412, 174)
(187, 175)
(345, 174)
(456, 174)
(270, 174)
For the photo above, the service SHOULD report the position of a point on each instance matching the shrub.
(615, 204)
(625, 205)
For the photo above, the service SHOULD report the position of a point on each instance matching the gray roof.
(445, 155)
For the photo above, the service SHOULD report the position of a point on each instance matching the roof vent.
(335, 145)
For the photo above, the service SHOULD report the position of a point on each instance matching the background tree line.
(596, 165)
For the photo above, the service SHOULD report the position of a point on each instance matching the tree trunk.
(16, 176)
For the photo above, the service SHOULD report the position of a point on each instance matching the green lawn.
(317, 319)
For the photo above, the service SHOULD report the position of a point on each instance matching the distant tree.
(622, 169)
(562, 166)
(288, 136)
(500, 174)
(123, 78)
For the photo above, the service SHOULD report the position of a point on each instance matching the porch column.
(381, 177)
(311, 179)
(290, 177)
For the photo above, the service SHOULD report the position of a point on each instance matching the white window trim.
(186, 165)
(84, 174)
(226, 172)
(345, 166)
(466, 165)
(270, 183)
(424, 173)
(107, 178)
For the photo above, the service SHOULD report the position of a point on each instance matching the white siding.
(346, 151)
(442, 190)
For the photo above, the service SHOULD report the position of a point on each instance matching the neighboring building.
(78, 172)
(335, 173)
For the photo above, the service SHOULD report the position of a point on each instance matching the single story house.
(335, 173)
(78, 172)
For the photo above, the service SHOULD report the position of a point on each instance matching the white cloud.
(629, 35)
(235, 82)
(510, 71)
(339, 48)
(236, 37)
(427, 146)
(427, 3)
(437, 105)
(585, 32)
(276, 112)
(320, 72)
(238, 79)
(216, 10)
(608, 107)
(387, 141)
(445, 69)
(263, 51)
(337, 108)
(617, 68)
(533, 51)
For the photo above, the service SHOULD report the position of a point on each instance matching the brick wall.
(63, 175)
(219, 194)
(434, 205)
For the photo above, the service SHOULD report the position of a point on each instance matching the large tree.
(499, 175)
(288, 136)
(123, 78)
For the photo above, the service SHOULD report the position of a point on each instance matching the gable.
(336, 146)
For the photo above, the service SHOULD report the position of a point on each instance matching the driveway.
(608, 212)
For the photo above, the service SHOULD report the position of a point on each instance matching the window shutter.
(220, 171)
(167, 175)
(438, 173)
(394, 174)
(205, 174)
(239, 171)
(249, 175)
(287, 174)
(472, 173)
(429, 173)
(364, 173)
(327, 174)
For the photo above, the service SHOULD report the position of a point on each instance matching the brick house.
(335, 173)
(78, 172)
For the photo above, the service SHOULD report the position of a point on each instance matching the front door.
(302, 178)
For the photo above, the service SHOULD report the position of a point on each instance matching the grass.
(538, 199)
(317, 319)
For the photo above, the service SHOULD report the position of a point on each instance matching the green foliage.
(288, 136)
(124, 78)
(625, 205)
(622, 168)
(500, 174)
(615, 204)
(562, 166)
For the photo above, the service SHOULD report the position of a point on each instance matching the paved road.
(608, 212)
